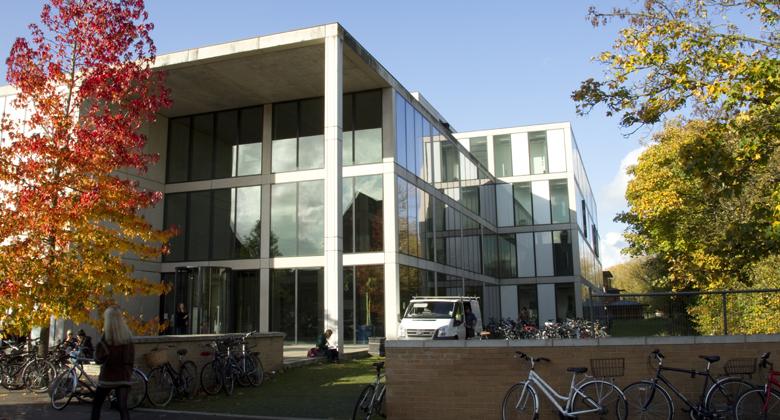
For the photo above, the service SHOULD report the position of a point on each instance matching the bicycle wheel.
(230, 375)
(254, 371)
(37, 375)
(379, 405)
(520, 402)
(160, 387)
(750, 405)
(137, 392)
(362, 408)
(188, 375)
(648, 401)
(602, 396)
(62, 389)
(211, 377)
(722, 397)
(12, 377)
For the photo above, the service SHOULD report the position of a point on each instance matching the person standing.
(116, 355)
(181, 320)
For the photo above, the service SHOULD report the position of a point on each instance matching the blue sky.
(481, 64)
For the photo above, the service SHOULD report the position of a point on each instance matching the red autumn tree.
(69, 204)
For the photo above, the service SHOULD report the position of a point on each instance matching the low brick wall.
(269, 345)
(468, 379)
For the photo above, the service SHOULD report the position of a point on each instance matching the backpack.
(313, 352)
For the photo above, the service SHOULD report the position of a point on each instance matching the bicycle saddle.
(711, 359)
(181, 352)
(577, 369)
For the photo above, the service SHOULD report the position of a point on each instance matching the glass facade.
(364, 303)
(215, 145)
(362, 131)
(297, 219)
(297, 307)
(362, 207)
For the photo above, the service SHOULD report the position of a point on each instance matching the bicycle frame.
(659, 377)
(772, 381)
(553, 396)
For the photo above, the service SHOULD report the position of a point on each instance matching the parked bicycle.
(20, 368)
(649, 400)
(165, 381)
(372, 399)
(229, 366)
(588, 398)
(75, 382)
(250, 369)
(764, 402)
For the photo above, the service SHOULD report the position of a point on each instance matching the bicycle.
(372, 398)
(587, 399)
(221, 372)
(165, 381)
(250, 369)
(75, 382)
(764, 402)
(649, 400)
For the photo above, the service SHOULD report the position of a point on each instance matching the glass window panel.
(282, 303)
(528, 305)
(541, 198)
(411, 159)
(478, 148)
(368, 110)
(176, 215)
(450, 161)
(284, 220)
(178, 149)
(562, 253)
(348, 309)
(312, 117)
(348, 127)
(487, 202)
(523, 203)
(368, 145)
(400, 130)
(285, 120)
(244, 302)
(368, 214)
(369, 302)
(559, 201)
(283, 155)
(310, 218)
(225, 144)
(250, 150)
(525, 255)
(469, 197)
(414, 245)
(428, 133)
(348, 213)
(202, 147)
(418, 144)
(310, 306)
(507, 251)
(537, 146)
(556, 151)
(565, 306)
(490, 254)
(310, 152)
(222, 225)
(198, 238)
(247, 222)
(544, 254)
(502, 149)
(410, 284)
(403, 220)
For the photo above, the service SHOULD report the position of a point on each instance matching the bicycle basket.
(607, 368)
(156, 358)
(740, 366)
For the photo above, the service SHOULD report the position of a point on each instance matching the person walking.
(115, 354)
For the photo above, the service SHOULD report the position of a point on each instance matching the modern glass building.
(312, 190)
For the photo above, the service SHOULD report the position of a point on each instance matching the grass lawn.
(320, 391)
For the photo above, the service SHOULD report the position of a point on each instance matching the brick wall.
(468, 379)
(270, 346)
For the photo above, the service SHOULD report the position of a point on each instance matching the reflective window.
(400, 130)
(362, 213)
(176, 215)
(368, 127)
(198, 232)
(202, 145)
(310, 308)
(559, 201)
(414, 238)
(282, 303)
(225, 144)
(537, 146)
(403, 215)
(564, 301)
(507, 254)
(244, 301)
(222, 230)
(298, 135)
(312, 126)
(250, 146)
(523, 203)
(297, 219)
(527, 303)
(450, 161)
(178, 149)
(478, 148)
(562, 253)
(247, 222)
(363, 310)
(502, 150)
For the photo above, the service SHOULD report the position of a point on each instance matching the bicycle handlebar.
(658, 355)
(531, 359)
(765, 360)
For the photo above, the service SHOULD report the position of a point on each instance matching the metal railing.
(687, 313)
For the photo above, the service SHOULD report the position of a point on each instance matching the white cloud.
(611, 244)
(613, 195)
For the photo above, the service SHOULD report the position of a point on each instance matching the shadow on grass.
(317, 391)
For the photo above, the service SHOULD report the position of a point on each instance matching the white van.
(439, 318)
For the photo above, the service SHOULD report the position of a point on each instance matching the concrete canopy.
(260, 70)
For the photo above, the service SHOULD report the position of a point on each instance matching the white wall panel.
(506, 211)
(544, 254)
(556, 151)
(541, 198)
(526, 261)
(520, 165)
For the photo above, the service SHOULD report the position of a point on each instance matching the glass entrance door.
(204, 292)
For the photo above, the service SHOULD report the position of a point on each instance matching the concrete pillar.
(334, 287)
(389, 197)
(265, 222)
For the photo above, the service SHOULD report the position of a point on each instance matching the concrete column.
(334, 287)
(390, 226)
(265, 223)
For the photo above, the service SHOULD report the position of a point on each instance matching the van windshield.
(430, 310)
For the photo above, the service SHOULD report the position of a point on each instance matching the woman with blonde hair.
(116, 354)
